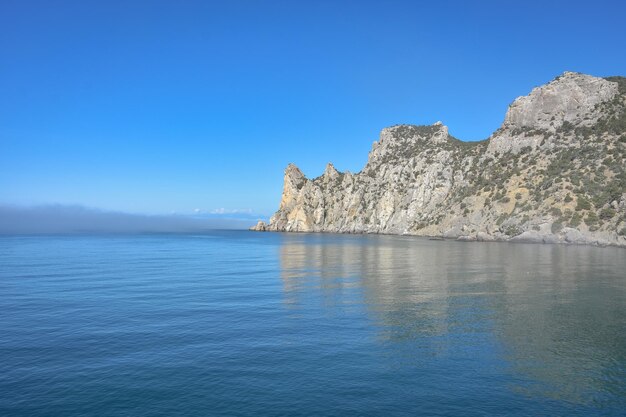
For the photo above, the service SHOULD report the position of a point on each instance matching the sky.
(196, 107)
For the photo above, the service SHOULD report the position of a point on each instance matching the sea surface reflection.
(242, 323)
(550, 318)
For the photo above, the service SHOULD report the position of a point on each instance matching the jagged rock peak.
(571, 97)
(331, 171)
(294, 180)
(293, 171)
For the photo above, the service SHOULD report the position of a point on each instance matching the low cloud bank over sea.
(79, 219)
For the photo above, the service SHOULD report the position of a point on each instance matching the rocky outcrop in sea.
(553, 172)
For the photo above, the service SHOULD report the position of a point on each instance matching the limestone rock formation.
(553, 172)
(260, 226)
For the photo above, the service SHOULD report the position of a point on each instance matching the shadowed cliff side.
(553, 172)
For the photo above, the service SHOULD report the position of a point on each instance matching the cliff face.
(553, 172)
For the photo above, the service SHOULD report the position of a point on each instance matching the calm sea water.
(243, 323)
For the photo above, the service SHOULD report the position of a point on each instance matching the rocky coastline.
(554, 172)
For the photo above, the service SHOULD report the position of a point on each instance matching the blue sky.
(159, 107)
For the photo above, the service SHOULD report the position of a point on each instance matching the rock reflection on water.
(550, 317)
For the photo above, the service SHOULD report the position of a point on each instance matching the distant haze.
(78, 219)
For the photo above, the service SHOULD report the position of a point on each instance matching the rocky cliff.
(553, 172)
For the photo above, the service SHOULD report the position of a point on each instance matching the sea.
(238, 323)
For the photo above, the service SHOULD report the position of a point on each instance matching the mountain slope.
(553, 172)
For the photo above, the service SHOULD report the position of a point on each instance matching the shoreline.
(538, 239)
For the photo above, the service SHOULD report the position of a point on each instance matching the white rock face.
(571, 97)
(260, 226)
(523, 184)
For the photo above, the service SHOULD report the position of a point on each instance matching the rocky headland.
(553, 172)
